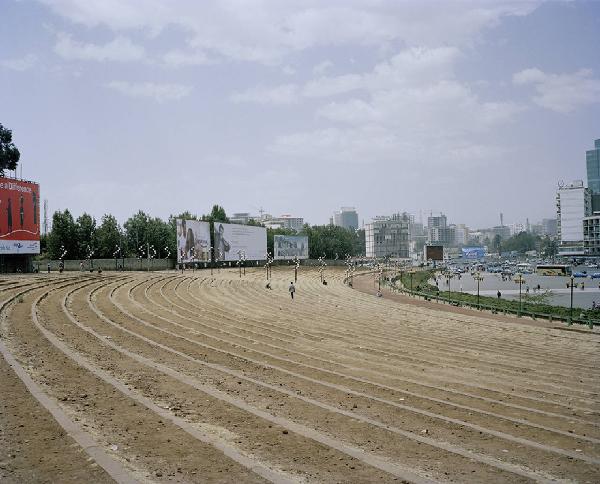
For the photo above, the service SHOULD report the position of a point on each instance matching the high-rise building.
(549, 227)
(347, 217)
(573, 204)
(388, 237)
(284, 222)
(592, 160)
(461, 235)
(438, 231)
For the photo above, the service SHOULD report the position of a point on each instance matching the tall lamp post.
(296, 262)
(90, 255)
(571, 285)
(322, 267)
(63, 253)
(116, 256)
(268, 265)
(520, 281)
(449, 276)
(478, 277)
(348, 268)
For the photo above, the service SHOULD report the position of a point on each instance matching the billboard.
(19, 217)
(193, 240)
(434, 252)
(231, 240)
(473, 252)
(290, 246)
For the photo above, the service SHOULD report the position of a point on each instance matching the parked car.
(580, 274)
(595, 275)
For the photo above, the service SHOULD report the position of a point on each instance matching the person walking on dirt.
(292, 289)
(499, 294)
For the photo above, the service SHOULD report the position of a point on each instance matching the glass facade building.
(592, 159)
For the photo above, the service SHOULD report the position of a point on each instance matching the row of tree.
(524, 242)
(84, 238)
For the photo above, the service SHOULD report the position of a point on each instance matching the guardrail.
(590, 323)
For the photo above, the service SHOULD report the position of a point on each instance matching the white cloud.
(279, 95)
(288, 70)
(322, 67)
(267, 31)
(404, 104)
(159, 92)
(20, 64)
(119, 49)
(561, 92)
(179, 58)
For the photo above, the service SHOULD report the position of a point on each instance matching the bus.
(553, 270)
(524, 268)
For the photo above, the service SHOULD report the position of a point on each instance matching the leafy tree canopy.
(9, 153)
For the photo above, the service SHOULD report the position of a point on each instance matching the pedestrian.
(292, 289)
(582, 285)
(49, 270)
(539, 288)
(593, 305)
(526, 289)
(81, 266)
(499, 294)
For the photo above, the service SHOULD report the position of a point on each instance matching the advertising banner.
(473, 252)
(290, 246)
(19, 217)
(434, 252)
(193, 241)
(233, 240)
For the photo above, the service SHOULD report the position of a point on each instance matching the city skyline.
(470, 109)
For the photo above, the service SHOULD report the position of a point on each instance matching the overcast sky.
(300, 107)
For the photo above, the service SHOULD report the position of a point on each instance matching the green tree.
(217, 214)
(9, 153)
(86, 236)
(142, 231)
(108, 236)
(331, 241)
(161, 237)
(497, 243)
(136, 233)
(64, 233)
(521, 243)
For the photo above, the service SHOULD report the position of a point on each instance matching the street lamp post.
(322, 267)
(296, 267)
(478, 277)
(449, 276)
(571, 284)
(520, 281)
(116, 256)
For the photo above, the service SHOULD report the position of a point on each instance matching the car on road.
(595, 275)
(580, 274)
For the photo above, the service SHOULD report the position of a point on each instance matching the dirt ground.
(199, 378)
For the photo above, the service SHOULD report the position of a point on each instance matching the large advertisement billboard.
(290, 246)
(473, 252)
(233, 241)
(193, 241)
(19, 217)
(434, 252)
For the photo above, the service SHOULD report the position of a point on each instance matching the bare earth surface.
(199, 378)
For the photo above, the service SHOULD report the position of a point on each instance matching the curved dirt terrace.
(199, 378)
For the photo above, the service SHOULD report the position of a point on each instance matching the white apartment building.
(573, 204)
